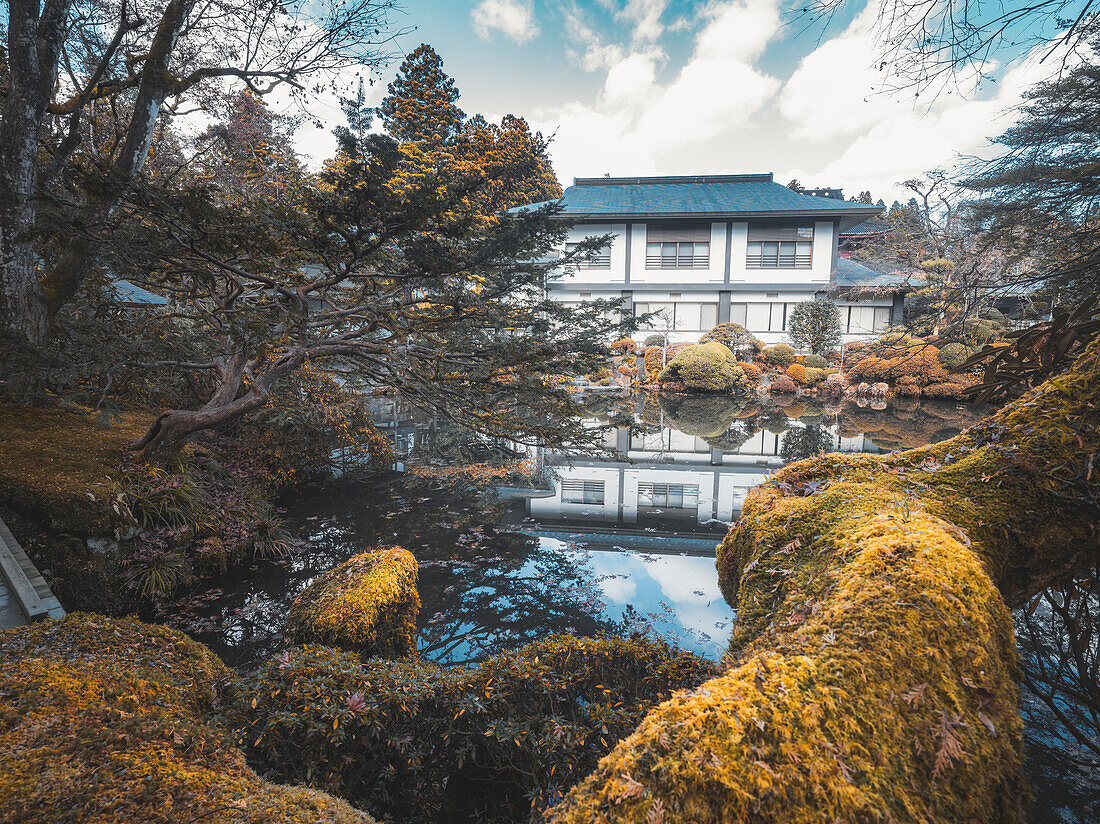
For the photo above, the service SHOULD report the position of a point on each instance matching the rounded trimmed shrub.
(781, 355)
(752, 370)
(624, 346)
(653, 340)
(953, 355)
(708, 367)
(783, 385)
(815, 362)
(736, 337)
(797, 373)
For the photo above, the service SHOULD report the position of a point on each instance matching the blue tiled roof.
(696, 195)
(851, 275)
(133, 295)
(869, 227)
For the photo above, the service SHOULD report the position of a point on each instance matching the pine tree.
(420, 103)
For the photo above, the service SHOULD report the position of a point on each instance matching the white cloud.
(512, 18)
(637, 122)
(874, 139)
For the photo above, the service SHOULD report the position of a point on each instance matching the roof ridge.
(763, 177)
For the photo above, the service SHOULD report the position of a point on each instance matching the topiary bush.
(417, 743)
(752, 370)
(105, 721)
(654, 357)
(624, 346)
(781, 355)
(367, 605)
(813, 376)
(654, 340)
(815, 362)
(797, 373)
(739, 340)
(783, 385)
(953, 355)
(708, 367)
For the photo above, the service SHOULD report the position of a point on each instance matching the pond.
(624, 542)
(619, 542)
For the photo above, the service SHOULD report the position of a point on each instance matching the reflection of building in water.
(668, 478)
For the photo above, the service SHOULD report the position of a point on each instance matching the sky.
(656, 87)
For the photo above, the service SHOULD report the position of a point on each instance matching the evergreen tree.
(420, 103)
(815, 325)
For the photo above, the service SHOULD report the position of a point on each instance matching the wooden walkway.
(24, 594)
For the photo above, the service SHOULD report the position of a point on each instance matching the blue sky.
(637, 87)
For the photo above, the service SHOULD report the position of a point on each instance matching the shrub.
(739, 340)
(815, 325)
(993, 314)
(814, 376)
(815, 362)
(708, 367)
(797, 373)
(414, 742)
(781, 355)
(653, 356)
(367, 605)
(105, 721)
(953, 355)
(654, 340)
(920, 363)
(624, 346)
(783, 385)
(752, 371)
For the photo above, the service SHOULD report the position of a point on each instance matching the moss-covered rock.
(708, 367)
(367, 605)
(872, 667)
(105, 721)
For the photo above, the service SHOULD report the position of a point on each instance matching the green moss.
(367, 605)
(105, 721)
(872, 665)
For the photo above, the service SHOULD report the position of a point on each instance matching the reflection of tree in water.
(703, 416)
(805, 441)
(1058, 634)
(505, 594)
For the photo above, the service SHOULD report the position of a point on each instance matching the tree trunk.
(172, 429)
(34, 41)
(873, 664)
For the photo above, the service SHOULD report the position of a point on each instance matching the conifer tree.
(421, 102)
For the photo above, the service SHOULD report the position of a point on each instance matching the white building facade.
(703, 250)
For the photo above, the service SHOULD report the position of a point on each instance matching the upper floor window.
(595, 259)
(780, 247)
(677, 246)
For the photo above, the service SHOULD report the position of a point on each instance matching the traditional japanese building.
(707, 249)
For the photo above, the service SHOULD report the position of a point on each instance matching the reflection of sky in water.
(677, 595)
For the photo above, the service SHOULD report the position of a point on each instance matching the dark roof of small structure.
(696, 196)
(868, 227)
(131, 294)
(853, 275)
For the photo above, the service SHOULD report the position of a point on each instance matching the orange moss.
(367, 605)
(55, 461)
(105, 721)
